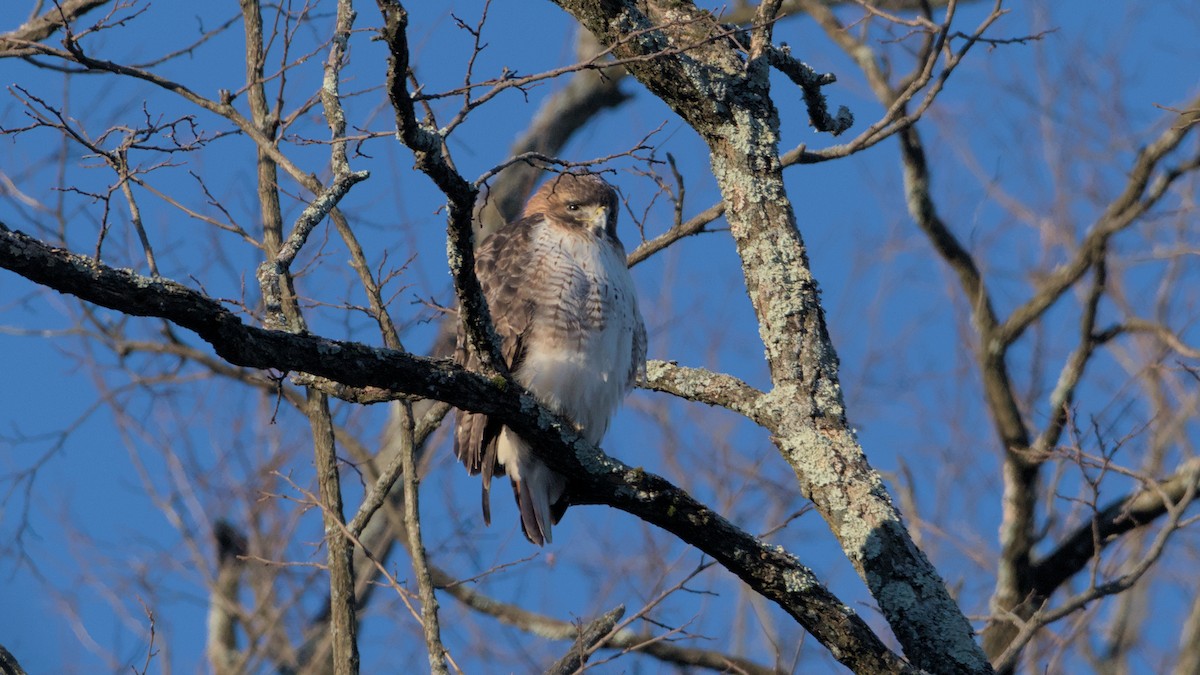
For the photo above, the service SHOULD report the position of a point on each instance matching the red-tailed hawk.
(565, 310)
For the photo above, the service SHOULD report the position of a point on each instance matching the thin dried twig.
(416, 546)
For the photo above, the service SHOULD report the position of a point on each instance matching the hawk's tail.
(536, 487)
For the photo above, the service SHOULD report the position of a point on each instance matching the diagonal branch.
(13, 43)
(1182, 488)
(769, 570)
(589, 636)
(1146, 186)
(705, 386)
(725, 97)
(1120, 516)
(694, 225)
(586, 94)
(9, 664)
(428, 148)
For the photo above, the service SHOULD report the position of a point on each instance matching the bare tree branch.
(15, 43)
(8, 663)
(416, 546)
(589, 636)
(222, 648)
(1148, 182)
(1016, 574)
(740, 126)
(704, 386)
(587, 94)
(1122, 515)
(595, 477)
(1185, 485)
(1189, 642)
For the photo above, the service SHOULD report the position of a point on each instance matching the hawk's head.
(585, 203)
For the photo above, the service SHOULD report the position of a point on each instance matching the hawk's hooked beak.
(598, 220)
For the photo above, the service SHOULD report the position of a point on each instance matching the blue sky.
(86, 517)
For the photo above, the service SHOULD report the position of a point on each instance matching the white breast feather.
(578, 355)
(584, 376)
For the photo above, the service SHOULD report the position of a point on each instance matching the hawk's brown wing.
(502, 263)
(637, 368)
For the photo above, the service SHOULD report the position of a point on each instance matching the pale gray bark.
(724, 95)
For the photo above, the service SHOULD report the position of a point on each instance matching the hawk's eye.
(573, 206)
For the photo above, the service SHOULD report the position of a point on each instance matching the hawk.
(564, 308)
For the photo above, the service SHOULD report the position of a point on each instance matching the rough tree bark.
(715, 76)
(724, 94)
(769, 570)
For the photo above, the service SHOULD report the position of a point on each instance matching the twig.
(810, 82)
(15, 43)
(1174, 506)
(589, 637)
(771, 571)
(416, 546)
